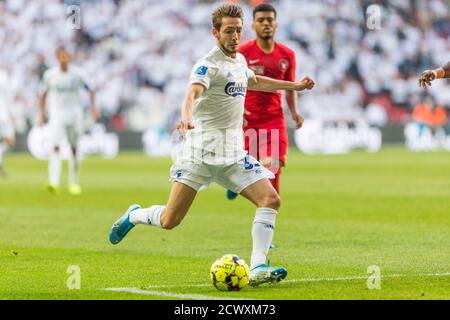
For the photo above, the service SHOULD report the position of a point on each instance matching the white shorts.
(60, 132)
(235, 177)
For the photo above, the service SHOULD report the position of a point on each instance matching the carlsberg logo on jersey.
(235, 89)
(65, 88)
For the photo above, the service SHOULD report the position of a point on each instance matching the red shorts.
(264, 144)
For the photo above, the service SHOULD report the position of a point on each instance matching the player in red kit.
(265, 131)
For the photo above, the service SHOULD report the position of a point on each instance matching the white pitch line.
(312, 280)
(205, 297)
(178, 286)
(366, 277)
(170, 294)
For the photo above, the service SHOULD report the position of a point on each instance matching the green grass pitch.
(340, 215)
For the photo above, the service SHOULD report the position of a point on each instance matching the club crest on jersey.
(201, 71)
(234, 89)
(284, 64)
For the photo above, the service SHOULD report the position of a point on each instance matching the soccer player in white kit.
(212, 119)
(62, 87)
(7, 133)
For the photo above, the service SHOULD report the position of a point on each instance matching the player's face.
(265, 25)
(229, 35)
(63, 57)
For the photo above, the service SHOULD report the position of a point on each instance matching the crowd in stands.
(139, 53)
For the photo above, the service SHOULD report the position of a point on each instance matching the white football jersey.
(218, 114)
(64, 93)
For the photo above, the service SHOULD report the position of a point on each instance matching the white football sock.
(74, 168)
(54, 169)
(262, 234)
(148, 216)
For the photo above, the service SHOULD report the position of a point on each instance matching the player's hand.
(246, 113)
(11, 141)
(184, 126)
(95, 114)
(426, 78)
(298, 119)
(305, 83)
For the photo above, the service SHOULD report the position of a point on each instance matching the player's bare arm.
(265, 84)
(94, 111)
(194, 92)
(291, 100)
(430, 75)
(42, 103)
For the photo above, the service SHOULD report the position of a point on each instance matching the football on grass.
(230, 273)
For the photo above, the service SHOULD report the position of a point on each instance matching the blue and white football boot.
(266, 274)
(122, 226)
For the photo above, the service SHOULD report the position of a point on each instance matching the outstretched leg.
(165, 217)
(171, 215)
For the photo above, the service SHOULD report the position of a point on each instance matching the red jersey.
(265, 107)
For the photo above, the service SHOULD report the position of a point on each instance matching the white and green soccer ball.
(230, 273)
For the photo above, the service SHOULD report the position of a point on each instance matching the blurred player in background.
(212, 115)
(430, 75)
(266, 136)
(62, 86)
(7, 134)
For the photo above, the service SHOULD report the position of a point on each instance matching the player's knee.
(169, 223)
(276, 202)
(271, 200)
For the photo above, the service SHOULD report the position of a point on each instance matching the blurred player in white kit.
(7, 133)
(62, 87)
